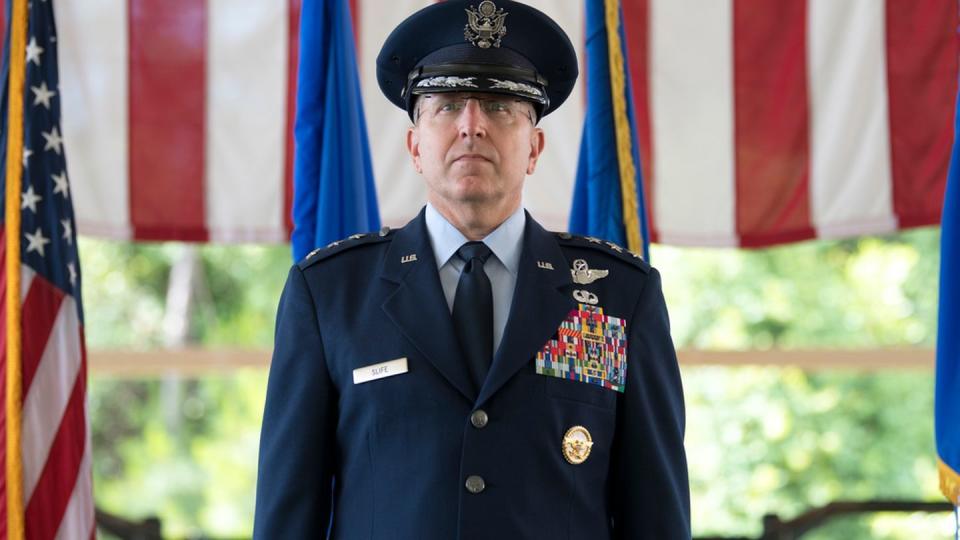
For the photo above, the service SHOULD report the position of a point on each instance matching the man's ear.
(537, 143)
(413, 147)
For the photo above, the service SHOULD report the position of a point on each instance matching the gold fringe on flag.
(14, 378)
(618, 89)
(949, 482)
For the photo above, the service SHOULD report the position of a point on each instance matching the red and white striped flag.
(760, 122)
(46, 491)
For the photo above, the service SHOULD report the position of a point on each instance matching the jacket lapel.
(541, 301)
(418, 306)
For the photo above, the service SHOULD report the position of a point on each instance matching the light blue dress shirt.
(506, 243)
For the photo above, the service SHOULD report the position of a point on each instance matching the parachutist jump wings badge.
(485, 25)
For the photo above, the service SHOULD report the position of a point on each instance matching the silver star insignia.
(614, 247)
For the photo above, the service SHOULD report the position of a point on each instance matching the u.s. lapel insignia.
(544, 265)
(585, 297)
(408, 258)
(590, 347)
(583, 275)
(577, 444)
(485, 25)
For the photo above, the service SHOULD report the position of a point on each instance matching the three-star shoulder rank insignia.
(339, 246)
(609, 248)
(584, 275)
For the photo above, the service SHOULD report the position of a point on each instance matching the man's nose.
(472, 121)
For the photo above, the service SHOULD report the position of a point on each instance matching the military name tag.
(591, 347)
(379, 371)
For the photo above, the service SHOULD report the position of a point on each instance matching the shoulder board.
(624, 254)
(347, 243)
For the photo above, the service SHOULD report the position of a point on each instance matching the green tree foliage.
(765, 439)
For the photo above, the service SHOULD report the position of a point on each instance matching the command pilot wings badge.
(485, 25)
(583, 275)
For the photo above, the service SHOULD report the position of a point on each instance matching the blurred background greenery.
(760, 439)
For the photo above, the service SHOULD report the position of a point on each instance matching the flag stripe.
(682, 66)
(93, 84)
(637, 33)
(293, 55)
(691, 49)
(78, 519)
(851, 189)
(771, 121)
(26, 280)
(46, 378)
(48, 395)
(245, 152)
(922, 84)
(167, 43)
(387, 125)
(47, 505)
(547, 192)
(40, 309)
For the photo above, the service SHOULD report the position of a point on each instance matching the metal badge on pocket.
(590, 347)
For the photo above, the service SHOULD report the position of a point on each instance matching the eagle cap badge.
(577, 444)
(485, 25)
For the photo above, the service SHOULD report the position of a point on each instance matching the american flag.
(47, 491)
(759, 122)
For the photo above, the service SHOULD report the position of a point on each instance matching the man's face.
(474, 148)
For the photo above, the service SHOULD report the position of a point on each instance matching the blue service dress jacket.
(373, 428)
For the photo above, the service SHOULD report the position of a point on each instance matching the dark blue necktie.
(473, 311)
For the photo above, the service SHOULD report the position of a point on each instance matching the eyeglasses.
(447, 108)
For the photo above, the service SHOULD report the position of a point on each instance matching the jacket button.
(479, 419)
(475, 484)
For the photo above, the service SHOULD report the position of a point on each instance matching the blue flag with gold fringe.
(333, 194)
(947, 409)
(608, 199)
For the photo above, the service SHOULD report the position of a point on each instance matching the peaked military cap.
(501, 47)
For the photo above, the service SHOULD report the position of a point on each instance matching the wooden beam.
(815, 359)
(191, 362)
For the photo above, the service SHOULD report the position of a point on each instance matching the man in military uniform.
(471, 375)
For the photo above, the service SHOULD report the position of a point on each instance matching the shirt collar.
(506, 241)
